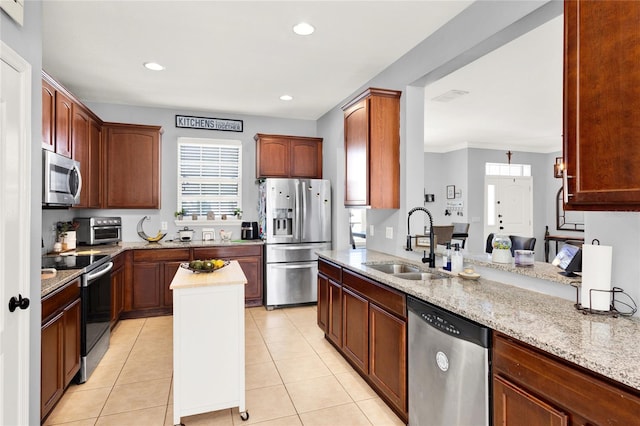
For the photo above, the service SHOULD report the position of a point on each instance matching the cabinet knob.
(20, 302)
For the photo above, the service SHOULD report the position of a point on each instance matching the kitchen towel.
(596, 275)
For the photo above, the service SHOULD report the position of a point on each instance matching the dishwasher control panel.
(441, 323)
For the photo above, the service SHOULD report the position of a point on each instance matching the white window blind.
(209, 176)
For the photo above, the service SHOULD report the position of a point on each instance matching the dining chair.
(522, 243)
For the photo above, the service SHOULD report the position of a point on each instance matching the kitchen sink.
(394, 268)
(419, 276)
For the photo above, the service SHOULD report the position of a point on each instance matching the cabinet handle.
(565, 186)
(20, 302)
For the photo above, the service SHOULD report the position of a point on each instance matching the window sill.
(205, 222)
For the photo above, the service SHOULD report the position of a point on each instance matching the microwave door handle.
(74, 175)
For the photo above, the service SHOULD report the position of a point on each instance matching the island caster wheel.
(244, 416)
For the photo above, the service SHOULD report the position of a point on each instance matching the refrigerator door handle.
(296, 216)
(304, 211)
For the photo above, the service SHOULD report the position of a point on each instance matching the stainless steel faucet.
(432, 255)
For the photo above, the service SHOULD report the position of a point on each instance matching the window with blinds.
(209, 176)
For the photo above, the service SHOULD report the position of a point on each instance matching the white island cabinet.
(208, 341)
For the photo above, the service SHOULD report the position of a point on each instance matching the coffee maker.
(249, 231)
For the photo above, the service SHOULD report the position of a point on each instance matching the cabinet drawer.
(568, 387)
(160, 255)
(388, 298)
(330, 270)
(226, 252)
(56, 302)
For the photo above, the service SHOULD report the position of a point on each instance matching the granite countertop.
(608, 346)
(49, 285)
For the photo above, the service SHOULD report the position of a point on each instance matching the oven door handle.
(100, 273)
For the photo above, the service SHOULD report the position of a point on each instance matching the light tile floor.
(293, 377)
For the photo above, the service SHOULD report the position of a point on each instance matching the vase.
(501, 249)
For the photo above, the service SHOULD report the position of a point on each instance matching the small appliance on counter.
(98, 230)
(249, 231)
(185, 234)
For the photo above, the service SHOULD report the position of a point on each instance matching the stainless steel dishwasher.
(448, 368)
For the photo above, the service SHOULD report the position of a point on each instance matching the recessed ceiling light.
(153, 66)
(286, 98)
(303, 29)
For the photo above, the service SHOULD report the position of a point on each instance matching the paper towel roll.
(596, 275)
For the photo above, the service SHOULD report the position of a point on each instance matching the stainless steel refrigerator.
(295, 219)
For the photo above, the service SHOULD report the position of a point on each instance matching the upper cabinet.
(601, 105)
(56, 118)
(86, 142)
(131, 166)
(372, 149)
(288, 156)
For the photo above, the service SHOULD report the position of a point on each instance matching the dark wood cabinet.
(284, 156)
(51, 364)
(367, 322)
(355, 329)
(152, 272)
(131, 166)
(147, 292)
(48, 116)
(388, 355)
(249, 257)
(529, 383)
(601, 105)
(60, 343)
(334, 327)
(322, 308)
(86, 137)
(118, 277)
(63, 120)
(372, 149)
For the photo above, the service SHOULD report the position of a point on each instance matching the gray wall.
(467, 166)
(166, 118)
(27, 41)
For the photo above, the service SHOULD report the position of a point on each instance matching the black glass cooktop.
(72, 262)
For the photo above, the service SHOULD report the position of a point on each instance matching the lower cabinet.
(533, 385)
(60, 344)
(250, 259)
(148, 293)
(146, 287)
(118, 277)
(367, 322)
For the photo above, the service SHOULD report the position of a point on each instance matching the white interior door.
(508, 205)
(15, 230)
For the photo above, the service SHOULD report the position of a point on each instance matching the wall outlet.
(163, 226)
(389, 232)
(371, 228)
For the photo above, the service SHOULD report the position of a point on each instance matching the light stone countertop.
(608, 346)
(62, 277)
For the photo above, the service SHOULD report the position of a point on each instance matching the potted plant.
(66, 234)
(179, 214)
(237, 213)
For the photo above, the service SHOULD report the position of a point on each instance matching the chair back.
(443, 234)
(460, 228)
(522, 243)
(489, 246)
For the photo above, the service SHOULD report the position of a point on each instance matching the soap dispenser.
(456, 260)
(446, 259)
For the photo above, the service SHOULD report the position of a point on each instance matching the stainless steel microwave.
(61, 180)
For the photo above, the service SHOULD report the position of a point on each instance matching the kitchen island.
(602, 344)
(547, 358)
(208, 341)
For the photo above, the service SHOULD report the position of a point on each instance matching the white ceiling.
(234, 56)
(238, 57)
(514, 100)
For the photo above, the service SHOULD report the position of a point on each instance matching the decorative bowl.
(185, 265)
